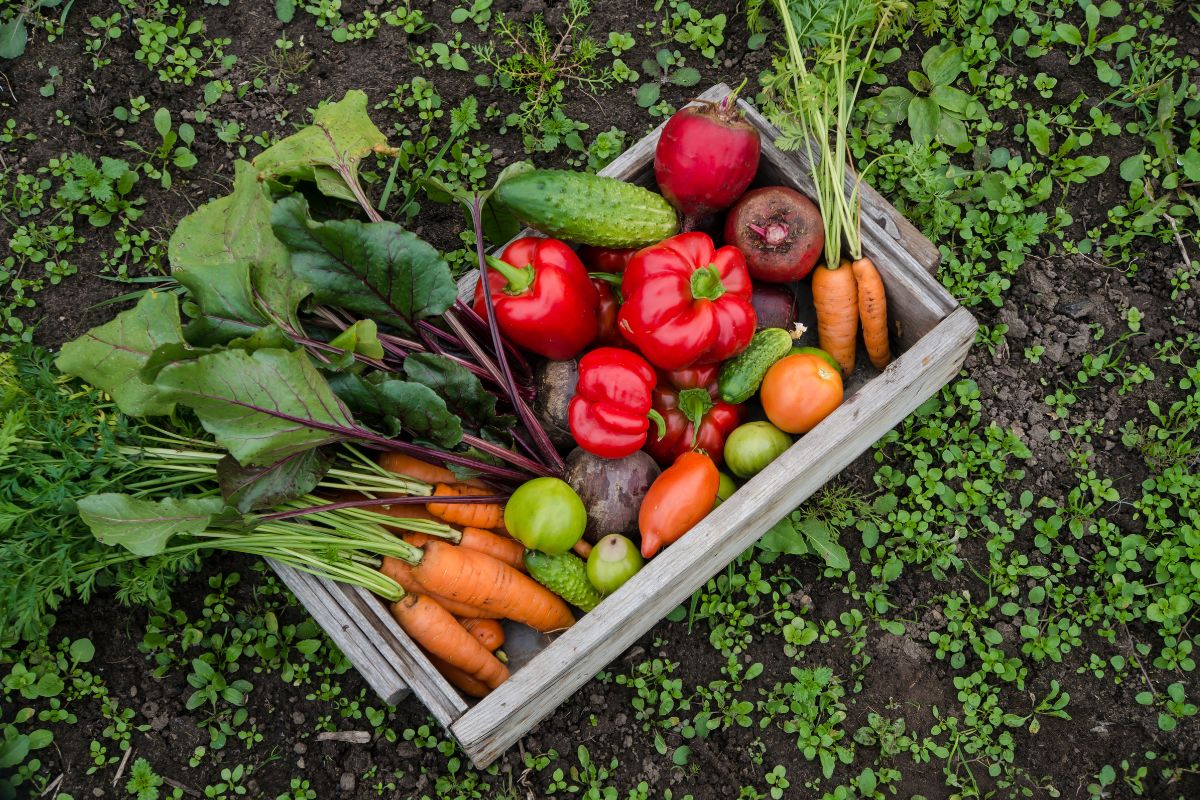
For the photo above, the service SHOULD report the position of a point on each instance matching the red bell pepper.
(605, 265)
(606, 315)
(684, 398)
(611, 411)
(606, 259)
(687, 302)
(545, 302)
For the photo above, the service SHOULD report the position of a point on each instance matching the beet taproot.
(779, 231)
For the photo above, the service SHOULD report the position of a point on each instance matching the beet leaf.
(260, 406)
(111, 356)
(375, 269)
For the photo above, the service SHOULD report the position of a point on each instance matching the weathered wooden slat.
(532, 693)
(324, 602)
(427, 684)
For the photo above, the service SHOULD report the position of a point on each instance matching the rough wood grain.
(498, 720)
(324, 602)
(427, 684)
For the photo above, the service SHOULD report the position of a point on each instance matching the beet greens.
(291, 334)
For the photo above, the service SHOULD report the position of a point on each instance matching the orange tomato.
(799, 391)
(679, 498)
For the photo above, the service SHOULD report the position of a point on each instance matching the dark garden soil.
(1053, 300)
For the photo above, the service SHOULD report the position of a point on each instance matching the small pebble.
(347, 782)
(1075, 307)
(300, 748)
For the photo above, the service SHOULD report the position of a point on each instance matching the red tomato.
(799, 391)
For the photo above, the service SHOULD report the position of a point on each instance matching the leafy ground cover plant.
(540, 66)
(964, 593)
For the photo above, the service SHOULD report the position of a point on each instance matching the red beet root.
(779, 231)
(707, 156)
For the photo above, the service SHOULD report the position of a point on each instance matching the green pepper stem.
(610, 278)
(659, 422)
(706, 283)
(695, 403)
(519, 278)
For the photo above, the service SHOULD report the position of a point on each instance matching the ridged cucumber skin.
(588, 209)
(742, 375)
(565, 575)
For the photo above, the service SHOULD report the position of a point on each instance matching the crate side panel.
(531, 694)
(369, 655)
(426, 683)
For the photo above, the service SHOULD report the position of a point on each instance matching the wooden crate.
(934, 334)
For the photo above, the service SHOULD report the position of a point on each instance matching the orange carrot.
(406, 511)
(582, 548)
(510, 551)
(479, 580)
(835, 296)
(465, 683)
(415, 468)
(423, 471)
(499, 546)
(436, 629)
(475, 515)
(489, 632)
(402, 573)
(872, 310)
(418, 539)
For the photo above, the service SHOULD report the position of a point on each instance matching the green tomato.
(613, 561)
(545, 514)
(752, 446)
(819, 353)
(725, 488)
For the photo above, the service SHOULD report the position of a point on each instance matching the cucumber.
(565, 575)
(589, 209)
(742, 375)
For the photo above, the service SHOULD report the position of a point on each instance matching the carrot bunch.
(443, 581)
(815, 110)
(843, 296)
(468, 578)
(437, 631)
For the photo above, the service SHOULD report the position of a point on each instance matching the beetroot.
(774, 306)
(779, 231)
(707, 156)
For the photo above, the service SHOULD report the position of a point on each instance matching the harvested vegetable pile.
(301, 337)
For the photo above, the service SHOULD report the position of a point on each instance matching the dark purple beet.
(775, 306)
(779, 231)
